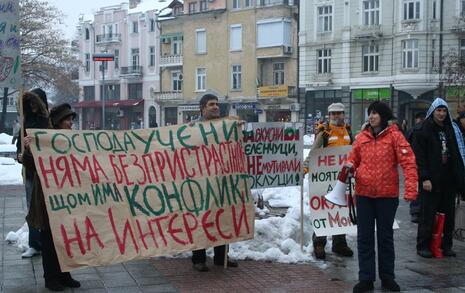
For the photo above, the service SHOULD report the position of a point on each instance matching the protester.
(375, 156)
(415, 204)
(35, 111)
(441, 171)
(16, 128)
(460, 122)
(335, 133)
(62, 118)
(210, 109)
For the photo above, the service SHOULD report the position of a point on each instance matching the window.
(325, 19)
(87, 34)
(410, 54)
(152, 56)
(176, 81)
(201, 41)
(236, 4)
(236, 77)
(434, 8)
(192, 7)
(89, 93)
(116, 59)
(135, 58)
(201, 76)
(87, 64)
(135, 91)
(235, 37)
(103, 66)
(247, 3)
(178, 10)
(462, 8)
(273, 32)
(112, 91)
(152, 25)
(433, 52)
(411, 9)
(203, 5)
(462, 48)
(324, 61)
(278, 73)
(370, 58)
(176, 47)
(135, 27)
(371, 12)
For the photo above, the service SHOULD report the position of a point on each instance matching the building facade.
(243, 51)
(131, 34)
(359, 51)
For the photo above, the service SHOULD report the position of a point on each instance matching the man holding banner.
(336, 133)
(210, 110)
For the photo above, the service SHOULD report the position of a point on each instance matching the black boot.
(363, 286)
(390, 285)
(54, 285)
(68, 281)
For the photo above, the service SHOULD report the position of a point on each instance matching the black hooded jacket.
(428, 152)
(39, 119)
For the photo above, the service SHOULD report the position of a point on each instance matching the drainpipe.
(298, 61)
(441, 26)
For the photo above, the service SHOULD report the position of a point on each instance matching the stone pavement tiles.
(414, 274)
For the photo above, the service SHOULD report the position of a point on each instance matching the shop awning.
(111, 103)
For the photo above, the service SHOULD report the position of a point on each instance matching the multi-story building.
(358, 51)
(243, 51)
(132, 35)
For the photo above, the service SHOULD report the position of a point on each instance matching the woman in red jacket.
(375, 156)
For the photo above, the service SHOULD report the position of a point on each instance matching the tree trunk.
(5, 103)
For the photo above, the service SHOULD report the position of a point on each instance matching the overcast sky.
(72, 9)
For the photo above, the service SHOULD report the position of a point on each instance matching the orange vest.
(338, 136)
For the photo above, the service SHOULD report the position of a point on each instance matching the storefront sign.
(244, 106)
(115, 196)
(372, 94)
(189, 108)
(274, 154)
(273, 91)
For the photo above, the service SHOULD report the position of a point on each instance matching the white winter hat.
(336, 107)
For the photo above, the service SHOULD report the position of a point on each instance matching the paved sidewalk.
(414, 274)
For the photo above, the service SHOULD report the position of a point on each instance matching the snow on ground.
(19, 238)
(5, 138)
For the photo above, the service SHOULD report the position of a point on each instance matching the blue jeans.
(382, 212)
(34, 234)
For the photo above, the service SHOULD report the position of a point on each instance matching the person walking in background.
(16, 128)
(333, 134)
(441, 172)
(62, 118)
(35, 111)
(210, 109)
(374, 159)
(415, 204)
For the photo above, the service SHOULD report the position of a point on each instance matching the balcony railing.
(167, 96)
(368, 32)
(108, 38)
(131, 71)
(171, 60)
(261, 3)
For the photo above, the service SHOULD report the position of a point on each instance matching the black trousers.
(338, 240)
(430, 204)
(49, 258)
(200, 256)
(379, 211)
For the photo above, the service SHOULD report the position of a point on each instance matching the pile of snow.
(5, 138)
(19, 238)
(10, 172)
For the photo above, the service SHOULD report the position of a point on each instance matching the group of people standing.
(432, 157)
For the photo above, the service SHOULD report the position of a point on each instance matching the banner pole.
(21, 123)
(302, 216)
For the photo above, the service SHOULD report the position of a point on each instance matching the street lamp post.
(103, 57)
